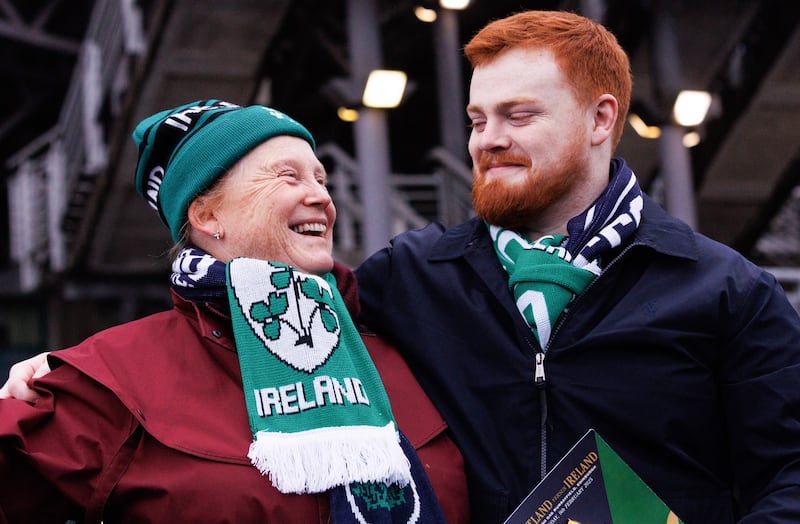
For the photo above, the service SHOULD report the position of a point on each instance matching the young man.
(573, 301)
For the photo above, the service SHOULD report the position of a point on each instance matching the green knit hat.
(184, 150)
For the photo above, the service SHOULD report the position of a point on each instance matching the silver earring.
(217, 235)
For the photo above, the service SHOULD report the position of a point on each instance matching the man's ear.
(605, 117)
(202, 217)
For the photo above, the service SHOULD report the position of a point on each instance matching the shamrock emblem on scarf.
(290, 312)
(274, 308)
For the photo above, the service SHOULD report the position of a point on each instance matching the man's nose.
(493, 136)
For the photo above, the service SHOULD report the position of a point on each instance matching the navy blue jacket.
(684, 356)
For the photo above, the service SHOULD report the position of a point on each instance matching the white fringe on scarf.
(317, 460)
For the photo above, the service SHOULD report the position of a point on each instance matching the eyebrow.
(505, 104)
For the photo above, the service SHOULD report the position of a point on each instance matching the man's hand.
(21, 375)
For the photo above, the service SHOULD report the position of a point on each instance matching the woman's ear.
(605, 117)
(201, 216)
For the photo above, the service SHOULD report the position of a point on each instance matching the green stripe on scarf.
(540, 276)
(318, 411)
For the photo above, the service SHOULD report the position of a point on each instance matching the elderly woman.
(254, 399)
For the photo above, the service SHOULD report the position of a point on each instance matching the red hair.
(587, 53)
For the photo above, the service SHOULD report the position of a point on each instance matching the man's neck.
(553, 221)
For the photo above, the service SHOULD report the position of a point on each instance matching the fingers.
(20, 371)
(21, 375)
(20, 390)
(43, 369)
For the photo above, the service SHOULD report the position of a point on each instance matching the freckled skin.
(531, 143)
(278, 185)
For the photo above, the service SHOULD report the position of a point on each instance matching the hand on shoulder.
(21, 375)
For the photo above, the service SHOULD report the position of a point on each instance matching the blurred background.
(81, 250)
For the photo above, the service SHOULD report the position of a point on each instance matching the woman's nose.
(318, 194)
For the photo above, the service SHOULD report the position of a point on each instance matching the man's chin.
(504, 218)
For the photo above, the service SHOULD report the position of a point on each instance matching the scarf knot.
(547, 273)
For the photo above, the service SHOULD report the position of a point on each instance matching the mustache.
(487, 158)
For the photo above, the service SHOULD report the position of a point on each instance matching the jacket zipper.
(539, 377)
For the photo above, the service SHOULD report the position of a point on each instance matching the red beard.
(517, 205)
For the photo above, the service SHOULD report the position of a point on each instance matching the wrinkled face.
(530, 138)
(276, 207)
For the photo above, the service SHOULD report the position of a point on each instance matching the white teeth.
(314, 227)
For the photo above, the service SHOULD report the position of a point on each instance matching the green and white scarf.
(318, 411)
(542, 279)
(546, 274)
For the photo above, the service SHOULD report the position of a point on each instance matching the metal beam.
(35, 37)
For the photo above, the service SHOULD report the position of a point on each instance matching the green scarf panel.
(318, 411)
(541, 277)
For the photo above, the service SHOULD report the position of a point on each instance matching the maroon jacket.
(146, 422)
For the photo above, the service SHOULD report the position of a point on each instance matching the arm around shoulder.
(58, 449)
